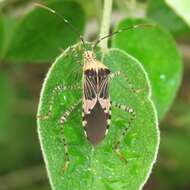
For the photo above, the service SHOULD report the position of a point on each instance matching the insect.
(96, 100)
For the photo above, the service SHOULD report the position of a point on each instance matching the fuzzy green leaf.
(155, 48)
(160, 12)
(98, 167)
(41, 36)
(182, 8)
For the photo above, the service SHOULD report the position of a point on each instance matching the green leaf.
(160, 12)
(98, 167)
(40, 35)
(155, 48)
(182, 8)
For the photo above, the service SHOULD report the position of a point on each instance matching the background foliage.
(21, 164)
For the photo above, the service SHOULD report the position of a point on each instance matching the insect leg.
(120, 73)
(108, 121)
(56, 90)
(132, 113)
(62, 120)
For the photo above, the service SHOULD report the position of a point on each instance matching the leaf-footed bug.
(96, 103)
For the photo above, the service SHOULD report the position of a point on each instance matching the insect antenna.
(122, 30)
(63, 19)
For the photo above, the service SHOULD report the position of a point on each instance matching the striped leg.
(56, 90)
(132, 113)
(108, 121)
(120, 73)
(62, 120)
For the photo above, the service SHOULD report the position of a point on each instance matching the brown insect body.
(96, 99)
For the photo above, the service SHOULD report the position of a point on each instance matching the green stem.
(105, 25)
(132, 5)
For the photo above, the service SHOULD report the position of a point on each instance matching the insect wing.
(103, 94)
(96, 105)
(89, 94)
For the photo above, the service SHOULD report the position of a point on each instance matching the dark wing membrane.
(96, 124)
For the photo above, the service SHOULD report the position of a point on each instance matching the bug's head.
(92, 66)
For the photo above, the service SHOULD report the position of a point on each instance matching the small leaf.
(182, 8)
(156, 50)
(98, 167)
(40, 35)
(160, 12)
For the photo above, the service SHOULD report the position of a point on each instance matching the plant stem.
(105, 25)
(132, 6)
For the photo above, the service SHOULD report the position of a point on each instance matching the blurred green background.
(26, 53)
